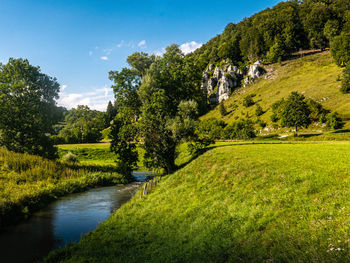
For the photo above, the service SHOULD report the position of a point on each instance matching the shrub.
(259, 111)
(248, 100)
(70, 158)
(333, 121)
(210, 129)
(242, 129)
(222, 109)
(340, 49)
(345, 85)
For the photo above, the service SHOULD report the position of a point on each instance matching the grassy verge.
(29, 182)
(96, 154)
(235, 203)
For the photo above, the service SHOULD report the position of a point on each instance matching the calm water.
(63, 221)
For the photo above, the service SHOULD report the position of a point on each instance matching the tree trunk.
(296, 131)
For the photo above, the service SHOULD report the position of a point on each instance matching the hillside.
(316, 76)
(235, 203)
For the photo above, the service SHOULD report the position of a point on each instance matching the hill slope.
(240, 203)
(315, 76)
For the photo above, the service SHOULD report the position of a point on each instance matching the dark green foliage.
(259, 111)
(211, 129)
(83, 125)
(27, 108)
(110, 113)
(262, 124)
(222, 109)
(345, 84)
(277, 109)
(340, 49)
(123, 134)
(296, 112)
(275, 33)
(333, 121)
(242, 129)
(248, 100)
(141, 62)
(159, 144)
(316, 110)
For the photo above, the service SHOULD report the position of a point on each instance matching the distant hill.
(316, 76)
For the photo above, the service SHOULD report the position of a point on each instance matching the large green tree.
(27, 108)
(83, 125)
(295, 112)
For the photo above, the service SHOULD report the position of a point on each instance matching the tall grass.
(28, 182)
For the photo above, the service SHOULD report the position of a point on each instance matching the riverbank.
(28, 183)
(238, 203)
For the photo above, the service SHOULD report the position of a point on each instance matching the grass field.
(278, 202)
(28, 182)
(316, 76)
(96, 154)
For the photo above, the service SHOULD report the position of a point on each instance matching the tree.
(295, 112)
(140, 61)
(340, 49)
(27, 108)
(222, 109)
(345, 87)
(110, 113)
(333, 121)
(83, 125)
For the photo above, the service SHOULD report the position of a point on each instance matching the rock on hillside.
(219, 81)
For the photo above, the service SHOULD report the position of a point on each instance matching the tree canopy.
(27, 108)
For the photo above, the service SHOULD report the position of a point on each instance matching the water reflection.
(62, 222)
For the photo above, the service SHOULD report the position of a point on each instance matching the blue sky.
(79, 42)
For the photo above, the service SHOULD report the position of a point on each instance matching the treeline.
(274, 34)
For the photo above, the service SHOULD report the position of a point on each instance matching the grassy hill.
(281, 202)
(316, 76)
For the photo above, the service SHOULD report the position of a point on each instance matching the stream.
(63, 221)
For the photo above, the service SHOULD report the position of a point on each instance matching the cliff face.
(219, 81)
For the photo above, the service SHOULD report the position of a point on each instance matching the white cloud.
(160, 52)
(104, 58)
(96, 99)
(63, 87)
(142, 43)
(190, 47)
(90, 53)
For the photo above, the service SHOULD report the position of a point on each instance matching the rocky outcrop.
(218, 82)
(254, 71)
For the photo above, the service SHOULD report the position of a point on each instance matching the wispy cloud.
(96, 99)
(142, 43)
(160, 52)
(190, 47)
(104, 58)
(90, 53)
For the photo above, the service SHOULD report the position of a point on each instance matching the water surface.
(62, 222)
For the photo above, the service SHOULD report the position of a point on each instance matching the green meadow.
(244, 202)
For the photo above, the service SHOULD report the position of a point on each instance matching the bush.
(340, 49)
(333, 121)
(70, 158)
(259, 111)
(345, 85)
(242, 129)
(222, 109)
(210, 129)
(248, 100)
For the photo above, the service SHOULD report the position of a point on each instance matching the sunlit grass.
(28, 182)
(271, 202)
(314, 76)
